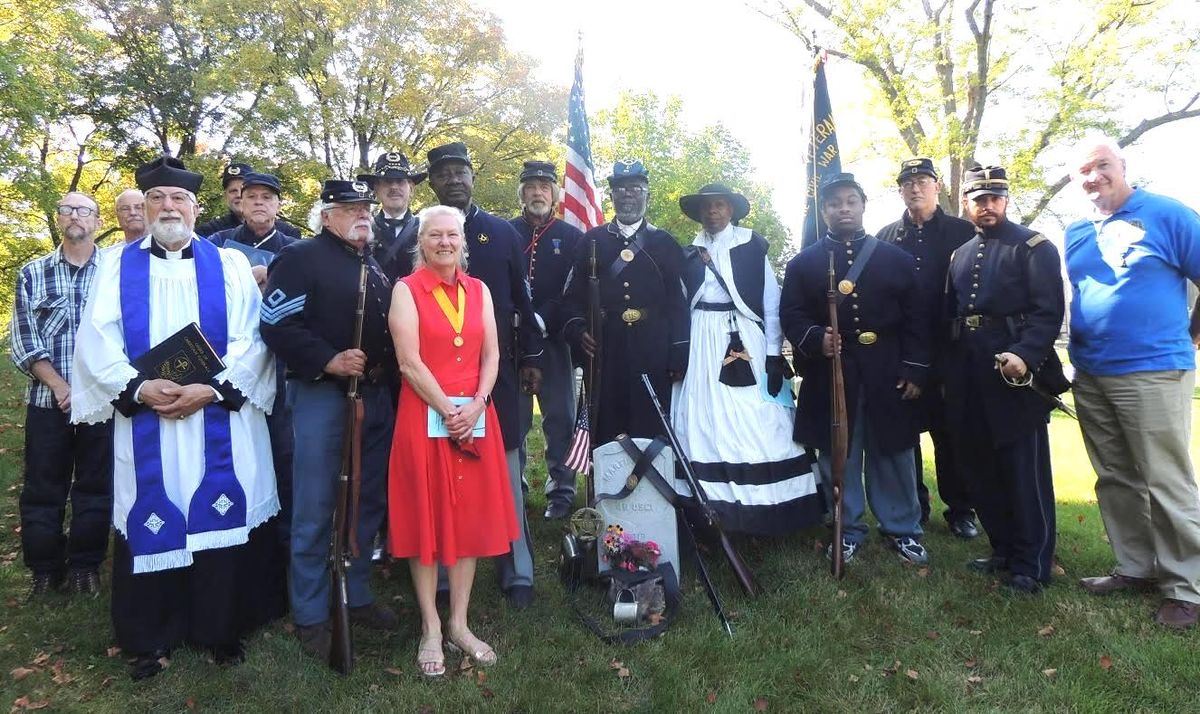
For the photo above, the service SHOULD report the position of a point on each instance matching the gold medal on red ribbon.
(455, 316)
(627, 255)
(845, 287)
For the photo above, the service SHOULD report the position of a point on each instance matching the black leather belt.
(716, 306)
(976, 321)
(863, 337)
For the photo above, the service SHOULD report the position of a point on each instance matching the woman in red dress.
(449, 499)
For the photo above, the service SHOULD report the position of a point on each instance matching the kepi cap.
(985, 180)
(256, 179)
(454, 151)
(916, 167)
(338, 191)
(539, 170)
(629, 170)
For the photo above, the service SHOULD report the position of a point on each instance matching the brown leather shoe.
(315, 639)
(1177, 614)
(1106, 584)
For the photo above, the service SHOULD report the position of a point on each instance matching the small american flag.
(580, 200)
(579, 455)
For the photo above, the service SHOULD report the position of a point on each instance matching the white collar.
(628, 230)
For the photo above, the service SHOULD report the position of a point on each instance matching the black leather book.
(185, 358)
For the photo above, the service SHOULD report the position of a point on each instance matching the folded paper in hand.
(437, 425)
(185, 357)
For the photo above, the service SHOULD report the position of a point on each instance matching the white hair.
(314, 216)
(424, 217)
(555, 192)
(1095, 140)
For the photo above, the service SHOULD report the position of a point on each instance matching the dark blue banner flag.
(822, 158)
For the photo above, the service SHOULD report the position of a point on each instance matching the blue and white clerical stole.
(160, 536)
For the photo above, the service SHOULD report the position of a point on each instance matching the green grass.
(888, 638)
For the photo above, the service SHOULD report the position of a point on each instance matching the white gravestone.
(644, 514)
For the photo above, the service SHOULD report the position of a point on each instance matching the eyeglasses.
(635, 189)
(81, 211)
(156, 198)
(922, 182)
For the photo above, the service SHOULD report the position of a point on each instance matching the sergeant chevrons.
(885, 337)
(646, 323)
(307, 334)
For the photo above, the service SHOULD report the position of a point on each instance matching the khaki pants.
(1136, 428)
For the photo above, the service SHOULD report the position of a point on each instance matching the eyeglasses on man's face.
(157, 198)
(921, 182)
(81, 211)
(634, 189)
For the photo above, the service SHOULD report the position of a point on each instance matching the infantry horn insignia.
(359, 187)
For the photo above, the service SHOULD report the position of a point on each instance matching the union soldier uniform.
(885, 338)
(307, 319)
(548, 249)
(394, 236)
(645, 318)
(230, 219)
(279, 421)
(931, 244)
(1005, 294)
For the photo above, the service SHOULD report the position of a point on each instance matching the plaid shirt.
(49, 303)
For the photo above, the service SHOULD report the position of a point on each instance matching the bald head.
(1099, 169)
(131, 214)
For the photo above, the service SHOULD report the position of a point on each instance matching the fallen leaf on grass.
(465, 665)
(190, 703)
(1046, 631)
(711, 697)
(373, 687)
(841, 593)
(1106, 662)
(923, 572)
(164, 662)
(911, 674)
(854, 678)
(1050, 672)
(487, 693)
(760, 704)
(394, 671)
(105, 682)
(1080, 518)
(976, 632)
(974, 679)
(113, 651)
(932, 634)
(21, 673)
(1058, 570)
(24, 704)
(970, 663)
(480, 676)
(41, 659)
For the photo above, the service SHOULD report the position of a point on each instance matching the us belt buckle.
(867, 338)
(631, 315)
(972, 321)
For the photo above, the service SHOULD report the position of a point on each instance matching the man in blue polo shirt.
(1133, 347)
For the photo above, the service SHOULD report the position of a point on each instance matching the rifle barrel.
(839, 437)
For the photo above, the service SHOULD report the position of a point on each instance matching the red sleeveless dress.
(443, 504)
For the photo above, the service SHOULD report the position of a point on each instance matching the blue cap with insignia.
(538, 170)
(256, 179)
(454, 151)
(916, 167)
(629, 170)
(234, 171)
(985, 180)
(338, 191)
(843, 179)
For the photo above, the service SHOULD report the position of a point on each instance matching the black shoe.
(229, 654)
(374, 617)
(44, 584)
(964, 528)
(557, 510)
(519, 596)
(84, 582)
(1023, 584)
(316, 639)
(148, 665)
(990, 565)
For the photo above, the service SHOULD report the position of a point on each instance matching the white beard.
(170, 235)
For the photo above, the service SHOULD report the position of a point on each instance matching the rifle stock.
(595, 327)
(839, 428)
(740, 570)
(345, 513)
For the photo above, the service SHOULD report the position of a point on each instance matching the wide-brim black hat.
(392, 165)
(167, 171)
(338, 191)
(690, 204)
(454, 151)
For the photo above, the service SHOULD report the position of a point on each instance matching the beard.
(538, 209)
(75, 233)
(170, 234)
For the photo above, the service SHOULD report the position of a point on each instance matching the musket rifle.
(744, 577)
(595, 328)
(839, 427)
(345, 513)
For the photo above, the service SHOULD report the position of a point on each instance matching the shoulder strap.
(870, 243)
(643, 467)
(708, 263)
(1036, 240)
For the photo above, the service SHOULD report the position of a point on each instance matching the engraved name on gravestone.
(644, 513)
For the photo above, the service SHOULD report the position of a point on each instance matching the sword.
(1037, 389)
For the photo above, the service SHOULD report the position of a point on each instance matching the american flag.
(581, 200)
(579, 455)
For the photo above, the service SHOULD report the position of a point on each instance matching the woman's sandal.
(431, 666)
(484, 655)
